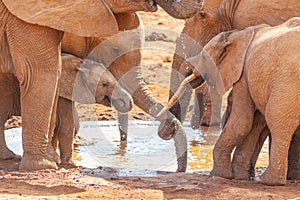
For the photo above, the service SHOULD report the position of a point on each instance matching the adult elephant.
(217, 16)
(30, 35)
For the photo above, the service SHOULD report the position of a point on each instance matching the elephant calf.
(261, 65)
(84, 81)
(247, 152)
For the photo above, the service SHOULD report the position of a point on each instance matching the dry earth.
(82, 183)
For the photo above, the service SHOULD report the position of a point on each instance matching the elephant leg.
(236, 129)
(242, 157)
(179, 109)
(207, 108)
(35, 52)
(261, 140)
(281, 134)
(212, 114)
(54, 140)
(199, 108)
(212, 103)
(294, 157)
(276, 172)
(228, 109)
(65, 130)
(51, 150)
(123, 126)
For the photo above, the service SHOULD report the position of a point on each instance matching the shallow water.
(100, 146)
(144, 154)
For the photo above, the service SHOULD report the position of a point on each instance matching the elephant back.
(89, 18)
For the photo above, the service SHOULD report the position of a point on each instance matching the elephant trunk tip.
(169, 128)
(121, 105)
(181, 9)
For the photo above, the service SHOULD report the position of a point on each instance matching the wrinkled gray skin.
(79, 76)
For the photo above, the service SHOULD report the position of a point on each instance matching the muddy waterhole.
(98, 145)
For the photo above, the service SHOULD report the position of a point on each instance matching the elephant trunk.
(181, 9)
(186, 47)
(170, 127)
(121, 100)
(181, 148)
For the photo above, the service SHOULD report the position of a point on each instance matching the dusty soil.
(79, 183)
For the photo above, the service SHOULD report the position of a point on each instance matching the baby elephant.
(261, 64)
(83, 81)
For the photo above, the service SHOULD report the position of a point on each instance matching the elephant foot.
(242, 171)
(293, 174)
(9, 155)
(67, 164)
(222, 172)
(52, 154)
(272, 179)
(168, 128)
(241, 174)
(34, 163)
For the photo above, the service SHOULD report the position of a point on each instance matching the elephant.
(217, 16)
(78, 80)
(241, 59)
(247, 151)
(31, 34)
(123, 60)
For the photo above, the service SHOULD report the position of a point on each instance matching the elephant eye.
(202, 14)
(104, 84)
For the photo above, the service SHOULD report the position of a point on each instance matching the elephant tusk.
(177, 94)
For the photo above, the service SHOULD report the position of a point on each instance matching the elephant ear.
(230, 56)
(91, 18)
(73, 83)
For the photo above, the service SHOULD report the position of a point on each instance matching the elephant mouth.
(121, 105)
(106, 101)
(151, 5)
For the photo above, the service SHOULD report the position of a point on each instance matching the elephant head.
(87, 81)
(220, 64)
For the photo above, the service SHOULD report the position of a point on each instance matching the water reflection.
(100, 146)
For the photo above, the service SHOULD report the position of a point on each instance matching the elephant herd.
(54, 53)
